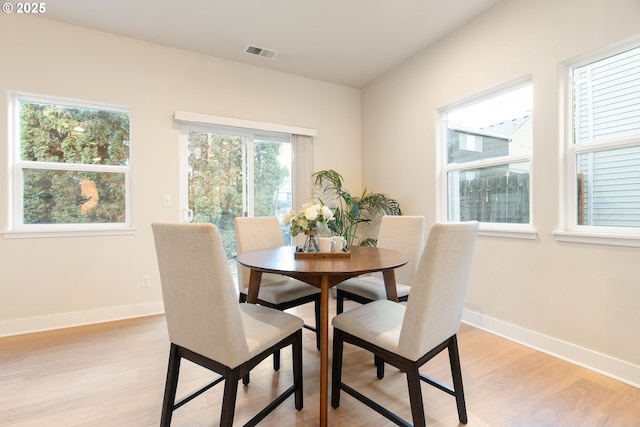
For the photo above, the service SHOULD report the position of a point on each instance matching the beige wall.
(579, 301)
(51, 282)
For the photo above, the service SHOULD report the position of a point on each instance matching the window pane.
(494, 194)
(606, 98)
(609, 188)
(495, 127)
(215, 171)
(272, 180)
(71, 197)
(66, 134)
(71, 166)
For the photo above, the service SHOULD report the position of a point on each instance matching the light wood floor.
(113, 374)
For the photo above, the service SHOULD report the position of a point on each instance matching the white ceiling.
(347, 42)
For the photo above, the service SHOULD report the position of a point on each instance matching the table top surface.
(362, 260)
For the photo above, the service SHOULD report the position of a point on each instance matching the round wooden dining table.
(322, 271)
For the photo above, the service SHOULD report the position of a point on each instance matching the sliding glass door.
(236, 172)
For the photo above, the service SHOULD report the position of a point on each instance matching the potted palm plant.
(351, 211)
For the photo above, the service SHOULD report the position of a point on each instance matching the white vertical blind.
(302, 166)
(302, 169)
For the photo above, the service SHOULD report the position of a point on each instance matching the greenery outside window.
(233, 167)
(487, 159)
(603, 150)
(71, 166)
(237, 172)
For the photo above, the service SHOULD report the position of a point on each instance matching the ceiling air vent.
(259, 51)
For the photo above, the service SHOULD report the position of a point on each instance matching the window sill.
(523, 233)
(610, 239)
(67, 233)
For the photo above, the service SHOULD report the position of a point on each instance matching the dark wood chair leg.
(296, 356)
(411, 370)
(231, 378)
(173, 370)
(339, 301)
(336, 372)
(316, 304)
(456, 374)
(276, 360)
(229, 398)
(377, 360)
(415, 395)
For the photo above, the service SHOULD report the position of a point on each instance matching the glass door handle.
(187, 215)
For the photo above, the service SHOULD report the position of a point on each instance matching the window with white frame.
(236, 167)
(237, 172)
(487, 164)
(71, 166)
(603, 149)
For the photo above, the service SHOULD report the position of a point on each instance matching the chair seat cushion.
(371, 288)
(283, 289)
(378, 322)
(264, 326)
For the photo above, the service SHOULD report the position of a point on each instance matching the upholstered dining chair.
(208, 327)
(402, 233)
(409, 336)
(276, 291)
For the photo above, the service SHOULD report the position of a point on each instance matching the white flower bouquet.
(311, 215)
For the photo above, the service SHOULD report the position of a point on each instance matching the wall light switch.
(167, 201)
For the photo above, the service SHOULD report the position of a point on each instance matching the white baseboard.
(617, 369)
(78, 318)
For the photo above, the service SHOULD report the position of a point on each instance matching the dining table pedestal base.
(323, 273)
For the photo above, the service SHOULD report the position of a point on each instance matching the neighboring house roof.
(504, 130)
(508, 128)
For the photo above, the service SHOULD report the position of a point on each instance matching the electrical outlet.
(146, 280)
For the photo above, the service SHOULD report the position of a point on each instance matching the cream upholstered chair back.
(254, 234)
(403, 233)
(200, 301)
(434, 309)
